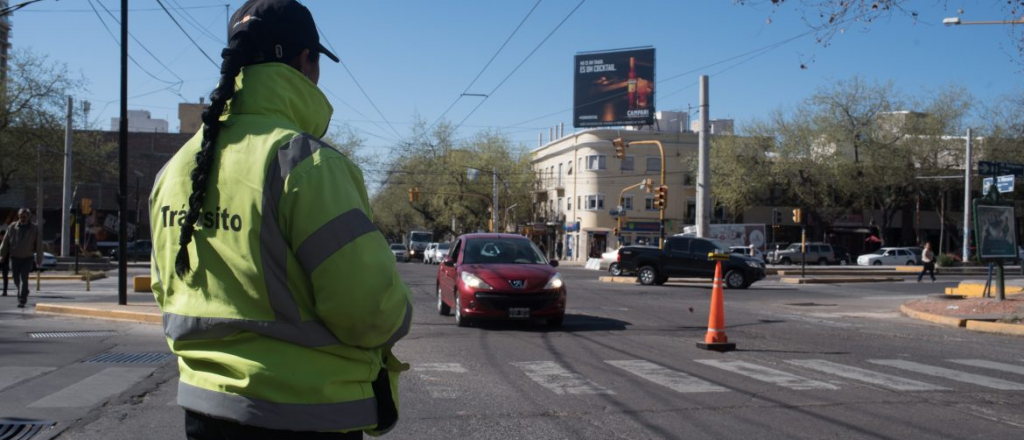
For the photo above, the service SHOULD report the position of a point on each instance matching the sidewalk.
(70, 298)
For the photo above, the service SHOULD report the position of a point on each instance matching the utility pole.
(122, 186)
(967, 201)
(494, 199)
(704, 166)
(65, 214)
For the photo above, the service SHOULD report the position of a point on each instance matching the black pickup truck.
(687, 257)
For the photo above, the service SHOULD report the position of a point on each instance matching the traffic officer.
(279, 295)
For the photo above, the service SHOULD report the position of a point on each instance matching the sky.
(405, 60)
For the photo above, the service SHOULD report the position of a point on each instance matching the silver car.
(400, 252)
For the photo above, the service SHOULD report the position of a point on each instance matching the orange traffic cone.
(715, 339)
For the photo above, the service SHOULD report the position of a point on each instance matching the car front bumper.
(490, 305)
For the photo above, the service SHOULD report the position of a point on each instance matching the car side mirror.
(553, 263)
(448, 262)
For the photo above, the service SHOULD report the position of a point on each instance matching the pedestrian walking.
(558, 249)
(5, 266)
(279, 295)
(928, 258)
(20, 249)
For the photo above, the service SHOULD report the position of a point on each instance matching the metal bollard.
(88, 281)
(38, 279)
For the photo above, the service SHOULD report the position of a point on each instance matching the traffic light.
(620, 148)
(661, 197)
(796, 215)
(776, 217)
(414, 194)
(86, 206)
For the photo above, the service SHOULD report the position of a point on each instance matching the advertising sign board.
(613, 88)
(994, 229)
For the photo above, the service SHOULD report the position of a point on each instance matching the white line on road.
(94, 389)
(675, 380)
(439, 367)
(872, 377)
(946, 373)
(559, 380)
(12, 375)
(990, 365)
(765, 374)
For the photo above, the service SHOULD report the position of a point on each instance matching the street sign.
(1004, 184)
(986, 168)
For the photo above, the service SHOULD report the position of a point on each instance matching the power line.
(528, 14)
(10, 9)
(143, 46)
(186, 34)
(365, 95)
(195, 24)
(62, 11)
(482, 101)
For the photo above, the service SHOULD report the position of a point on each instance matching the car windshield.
(501, 251)
(444, 247)
(420, 236)
(794, 247)
(878, 252)
(398, 247)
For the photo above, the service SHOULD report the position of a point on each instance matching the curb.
(789, 280)
(672, 281)
(937, 319)
(87, 312)
(996, 327)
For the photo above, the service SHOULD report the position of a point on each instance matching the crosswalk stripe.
(990, 365)
(672, 379)
(437, 381)
(860, 374)
(94, 389)
(946, 373)
(765, 374)
(558, 379)
(12, 375)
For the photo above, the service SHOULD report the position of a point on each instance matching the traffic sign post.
(987, 168)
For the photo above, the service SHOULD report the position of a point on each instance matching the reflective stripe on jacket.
(293, 302)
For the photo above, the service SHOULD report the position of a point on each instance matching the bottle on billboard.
(631, 83)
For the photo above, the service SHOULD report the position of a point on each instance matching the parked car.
(400, 252)
(136, 250)
(49, 262)
(843, 256)
(745, 250)
(888, 256)
(917, 251)
(815, 253)
(775, 247)
(428, 253)
(441, 252)
(688, 257)
(499, 277)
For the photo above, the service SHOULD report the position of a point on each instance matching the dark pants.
(928, 267)
(6, 268)
(203, 427)
(21, 268)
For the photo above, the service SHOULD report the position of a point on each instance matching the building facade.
(580, 181)
(140, 121)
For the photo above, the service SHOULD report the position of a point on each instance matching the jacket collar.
(276, 89)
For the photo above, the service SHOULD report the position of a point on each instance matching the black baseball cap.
(280, 29)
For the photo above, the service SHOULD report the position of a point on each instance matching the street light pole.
(955, 21)
(967, 200)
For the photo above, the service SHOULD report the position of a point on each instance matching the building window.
(596, 162)
(627, 164)
(595, 202)
(654, 163)
(578, 203)
(649, 203)
(559, 176)
(568, 166)
(627, 202)
(568, 204)
(558, 207)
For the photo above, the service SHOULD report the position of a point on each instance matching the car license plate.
(519, 312)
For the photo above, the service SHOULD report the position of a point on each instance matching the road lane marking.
(12, 375)
(94, 389)
(672, 379)
(946, 373)
(860, 374)
(558, 379)
(765, 374)
(437, 379)
(1009, 368)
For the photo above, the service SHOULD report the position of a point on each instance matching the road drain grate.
(129, 358)
(21, 430)
(81, 334)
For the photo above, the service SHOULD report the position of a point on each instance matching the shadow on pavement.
(573, 323)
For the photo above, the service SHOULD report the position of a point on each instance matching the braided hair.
(235, 58)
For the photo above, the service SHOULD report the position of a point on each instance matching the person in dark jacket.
(21, 246)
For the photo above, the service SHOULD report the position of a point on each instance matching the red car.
(499, 277)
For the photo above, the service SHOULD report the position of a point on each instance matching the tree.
(33, 109)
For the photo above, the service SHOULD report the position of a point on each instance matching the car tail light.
(618, 257)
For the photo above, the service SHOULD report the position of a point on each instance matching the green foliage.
(945, 260)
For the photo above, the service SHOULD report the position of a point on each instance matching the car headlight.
(412, 252)
(475, 282)
(555, 282)
(754, 264)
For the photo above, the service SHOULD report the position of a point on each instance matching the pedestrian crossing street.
(443, 380)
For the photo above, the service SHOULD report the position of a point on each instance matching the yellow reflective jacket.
(287, 318)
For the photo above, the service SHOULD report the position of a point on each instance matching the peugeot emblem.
(518, 284)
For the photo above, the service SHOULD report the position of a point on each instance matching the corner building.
(579, 181)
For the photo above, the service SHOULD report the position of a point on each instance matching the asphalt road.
(813, 362)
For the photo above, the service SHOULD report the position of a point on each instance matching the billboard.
(614, 88)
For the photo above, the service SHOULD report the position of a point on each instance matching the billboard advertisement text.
(614, 88)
